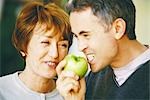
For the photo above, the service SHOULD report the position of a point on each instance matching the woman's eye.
(63, 45)
(45, 42)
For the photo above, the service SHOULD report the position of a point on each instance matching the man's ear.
(120, 26)
(23, 54)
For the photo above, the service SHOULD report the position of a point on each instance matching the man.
(105, 30)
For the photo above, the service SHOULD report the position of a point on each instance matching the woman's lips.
(51, 64)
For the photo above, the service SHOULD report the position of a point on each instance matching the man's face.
(98, 44)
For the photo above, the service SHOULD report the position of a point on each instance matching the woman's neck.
(37, 83)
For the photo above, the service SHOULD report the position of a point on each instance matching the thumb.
(60, 67)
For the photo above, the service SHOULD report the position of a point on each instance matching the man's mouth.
(90, 57)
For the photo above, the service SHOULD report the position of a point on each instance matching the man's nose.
(82, 45)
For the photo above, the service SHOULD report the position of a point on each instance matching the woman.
(42, 37)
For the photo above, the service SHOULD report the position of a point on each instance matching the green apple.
(77, 64)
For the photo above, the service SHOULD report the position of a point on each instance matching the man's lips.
(90, 57)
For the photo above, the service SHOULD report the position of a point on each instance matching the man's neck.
(128, 50)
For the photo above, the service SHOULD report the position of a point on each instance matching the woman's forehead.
(43, 29)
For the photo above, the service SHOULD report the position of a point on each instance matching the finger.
(67, 81)
(63, 75)
(66, 78)
(68, 85)
(60, 78)
(71, 85)
(65, 91)
(60, 67)
(67, 74)
(70, 74)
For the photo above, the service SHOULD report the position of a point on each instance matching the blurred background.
(10, 60)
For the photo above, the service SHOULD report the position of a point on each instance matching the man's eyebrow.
(80, 33)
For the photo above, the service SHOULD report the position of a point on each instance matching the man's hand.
(68, 84)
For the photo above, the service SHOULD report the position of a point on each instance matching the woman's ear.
(120, 27)
(23, 54)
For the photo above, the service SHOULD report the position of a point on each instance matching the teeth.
(51, 63)
(90, 57)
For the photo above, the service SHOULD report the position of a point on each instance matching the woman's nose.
(53, 51)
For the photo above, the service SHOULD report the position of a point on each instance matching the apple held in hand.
(76, 64)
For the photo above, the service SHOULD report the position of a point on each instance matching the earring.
(22, 53)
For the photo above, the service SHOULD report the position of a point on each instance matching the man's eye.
(85, 35)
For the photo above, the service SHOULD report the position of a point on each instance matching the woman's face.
(45, 50)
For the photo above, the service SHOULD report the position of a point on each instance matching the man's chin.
(96, 69)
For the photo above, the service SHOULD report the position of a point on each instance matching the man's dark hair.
(109, 11)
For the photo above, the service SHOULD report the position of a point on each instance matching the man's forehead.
(87, 11)
(81, 22)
